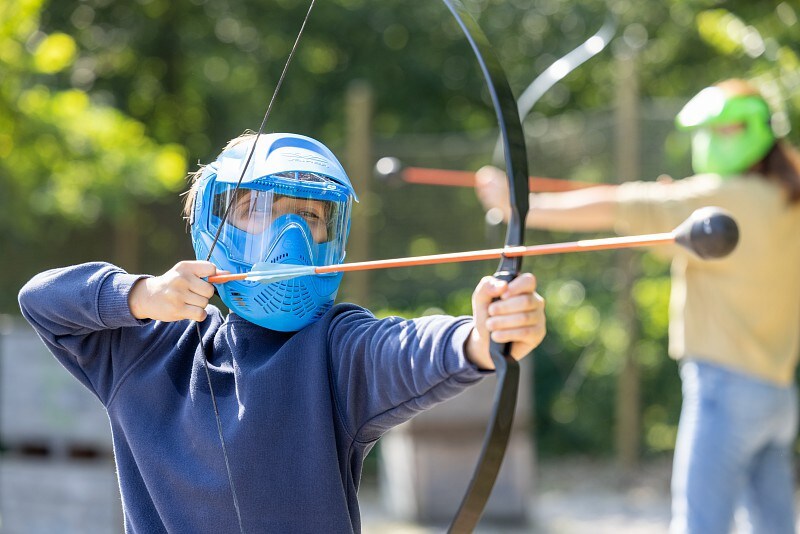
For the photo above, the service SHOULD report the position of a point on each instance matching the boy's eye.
(308, 215)
(241, 209)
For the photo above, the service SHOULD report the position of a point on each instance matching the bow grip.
(501, 351)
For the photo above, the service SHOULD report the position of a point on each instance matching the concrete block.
(48, 496)
(427, 463)
(40, 402)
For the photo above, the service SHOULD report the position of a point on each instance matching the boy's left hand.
(517, 317)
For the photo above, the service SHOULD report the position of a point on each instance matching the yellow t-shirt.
(742, 311)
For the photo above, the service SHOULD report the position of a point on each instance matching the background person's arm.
(584, 210)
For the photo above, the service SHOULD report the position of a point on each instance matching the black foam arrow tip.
(710, 232)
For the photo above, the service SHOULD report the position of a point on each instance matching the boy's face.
(254, 212)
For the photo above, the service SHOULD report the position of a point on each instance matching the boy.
(303, 389)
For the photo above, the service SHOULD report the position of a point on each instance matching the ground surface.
(573, 496)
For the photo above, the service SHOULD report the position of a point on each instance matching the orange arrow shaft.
(583, 245)
(445, 177)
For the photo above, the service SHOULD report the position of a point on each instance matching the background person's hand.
(491, 187)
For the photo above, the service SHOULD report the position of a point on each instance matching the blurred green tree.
(67, 161)
(102, 104)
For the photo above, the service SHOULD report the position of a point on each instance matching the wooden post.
(628, 403)
(359, 162)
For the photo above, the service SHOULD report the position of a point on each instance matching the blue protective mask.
(288, 305)
(292, 208)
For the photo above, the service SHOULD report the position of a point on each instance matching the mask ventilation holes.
(288, 296)
(302, 258)
(323, 310)
(239, 299)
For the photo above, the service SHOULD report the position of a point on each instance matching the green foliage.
(67, 160)
(103, 103)
(65, 154)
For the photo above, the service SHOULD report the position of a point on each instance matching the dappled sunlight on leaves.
(102, 104)
(652, 298)
(70, 105)
(318, 57)
(728, 33)
(581, 325)
(661, 428)
(55, 53)
(422, 246)
(170, 167)
(613, 336)
(564, 409)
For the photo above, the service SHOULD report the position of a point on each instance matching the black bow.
(507, 368)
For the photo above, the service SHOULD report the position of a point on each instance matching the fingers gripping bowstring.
(214, 244)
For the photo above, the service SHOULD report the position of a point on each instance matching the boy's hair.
(194, 177)
(194, 184)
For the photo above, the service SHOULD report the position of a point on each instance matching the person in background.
(267, 418)
(734, 321)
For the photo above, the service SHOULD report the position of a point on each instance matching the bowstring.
(214, 244)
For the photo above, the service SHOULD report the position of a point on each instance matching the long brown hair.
(782, 163)
(782, 166)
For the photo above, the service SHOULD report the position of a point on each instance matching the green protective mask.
(720, 152)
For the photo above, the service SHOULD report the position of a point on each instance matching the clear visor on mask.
(264, 210)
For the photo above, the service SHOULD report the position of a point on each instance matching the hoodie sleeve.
(82, 315)
(386, 371)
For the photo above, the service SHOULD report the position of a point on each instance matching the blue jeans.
(734, 446)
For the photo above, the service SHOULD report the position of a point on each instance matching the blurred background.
(105, 106)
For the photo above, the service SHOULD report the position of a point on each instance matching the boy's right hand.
(180, 293)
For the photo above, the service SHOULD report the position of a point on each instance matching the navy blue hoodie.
(299, 410)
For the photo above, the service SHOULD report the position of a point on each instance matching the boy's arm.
(584, 210)
(388, 371)
(81, 313)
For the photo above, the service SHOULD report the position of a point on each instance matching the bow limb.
(391, 169)
(566, 64)
(507, 368)
(559, 69)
